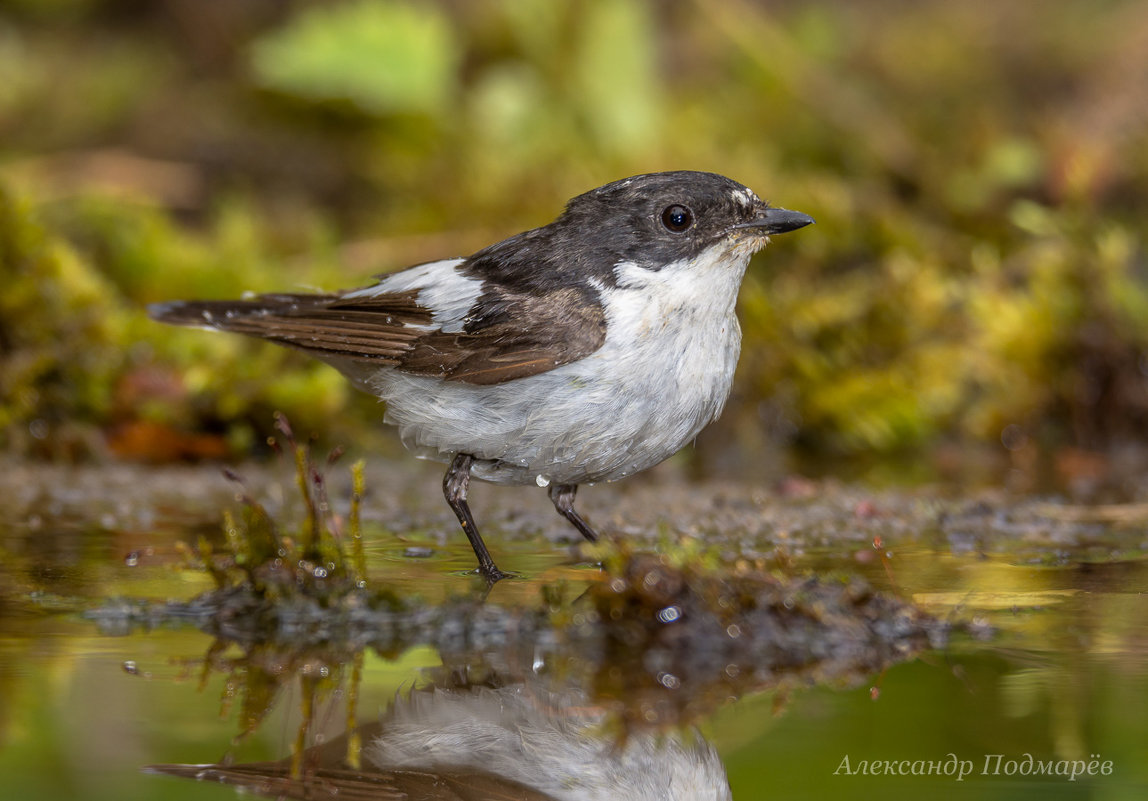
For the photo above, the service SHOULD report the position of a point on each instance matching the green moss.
(61, 333)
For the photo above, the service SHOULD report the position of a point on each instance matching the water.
(1040, 650)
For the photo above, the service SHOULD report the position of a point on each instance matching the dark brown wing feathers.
(513, 335)
(507, 335)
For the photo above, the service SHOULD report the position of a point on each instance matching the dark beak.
(777, 221)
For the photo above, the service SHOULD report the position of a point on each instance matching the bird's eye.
(677, 218)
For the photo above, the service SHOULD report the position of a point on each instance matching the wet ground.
(796, 641)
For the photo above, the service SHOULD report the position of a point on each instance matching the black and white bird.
(583, 351)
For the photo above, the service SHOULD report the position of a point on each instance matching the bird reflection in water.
(455, 742)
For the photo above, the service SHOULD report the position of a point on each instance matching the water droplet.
(542, 481)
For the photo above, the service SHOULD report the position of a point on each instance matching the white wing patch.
(441, 288)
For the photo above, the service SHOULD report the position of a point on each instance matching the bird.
(583, 351)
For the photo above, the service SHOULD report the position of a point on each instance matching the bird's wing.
(418, 326)
(509, 335)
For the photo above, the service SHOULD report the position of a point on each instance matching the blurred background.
(971, 306)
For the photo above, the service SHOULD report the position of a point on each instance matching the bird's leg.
(563, 497)
(454, 487)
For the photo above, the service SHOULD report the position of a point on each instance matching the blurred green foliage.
(384, 57)
(58, 326)
(978, 175)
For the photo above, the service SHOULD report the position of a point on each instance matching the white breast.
(663, 373)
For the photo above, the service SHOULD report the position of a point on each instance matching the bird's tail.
(377, 330)
(241, 316)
